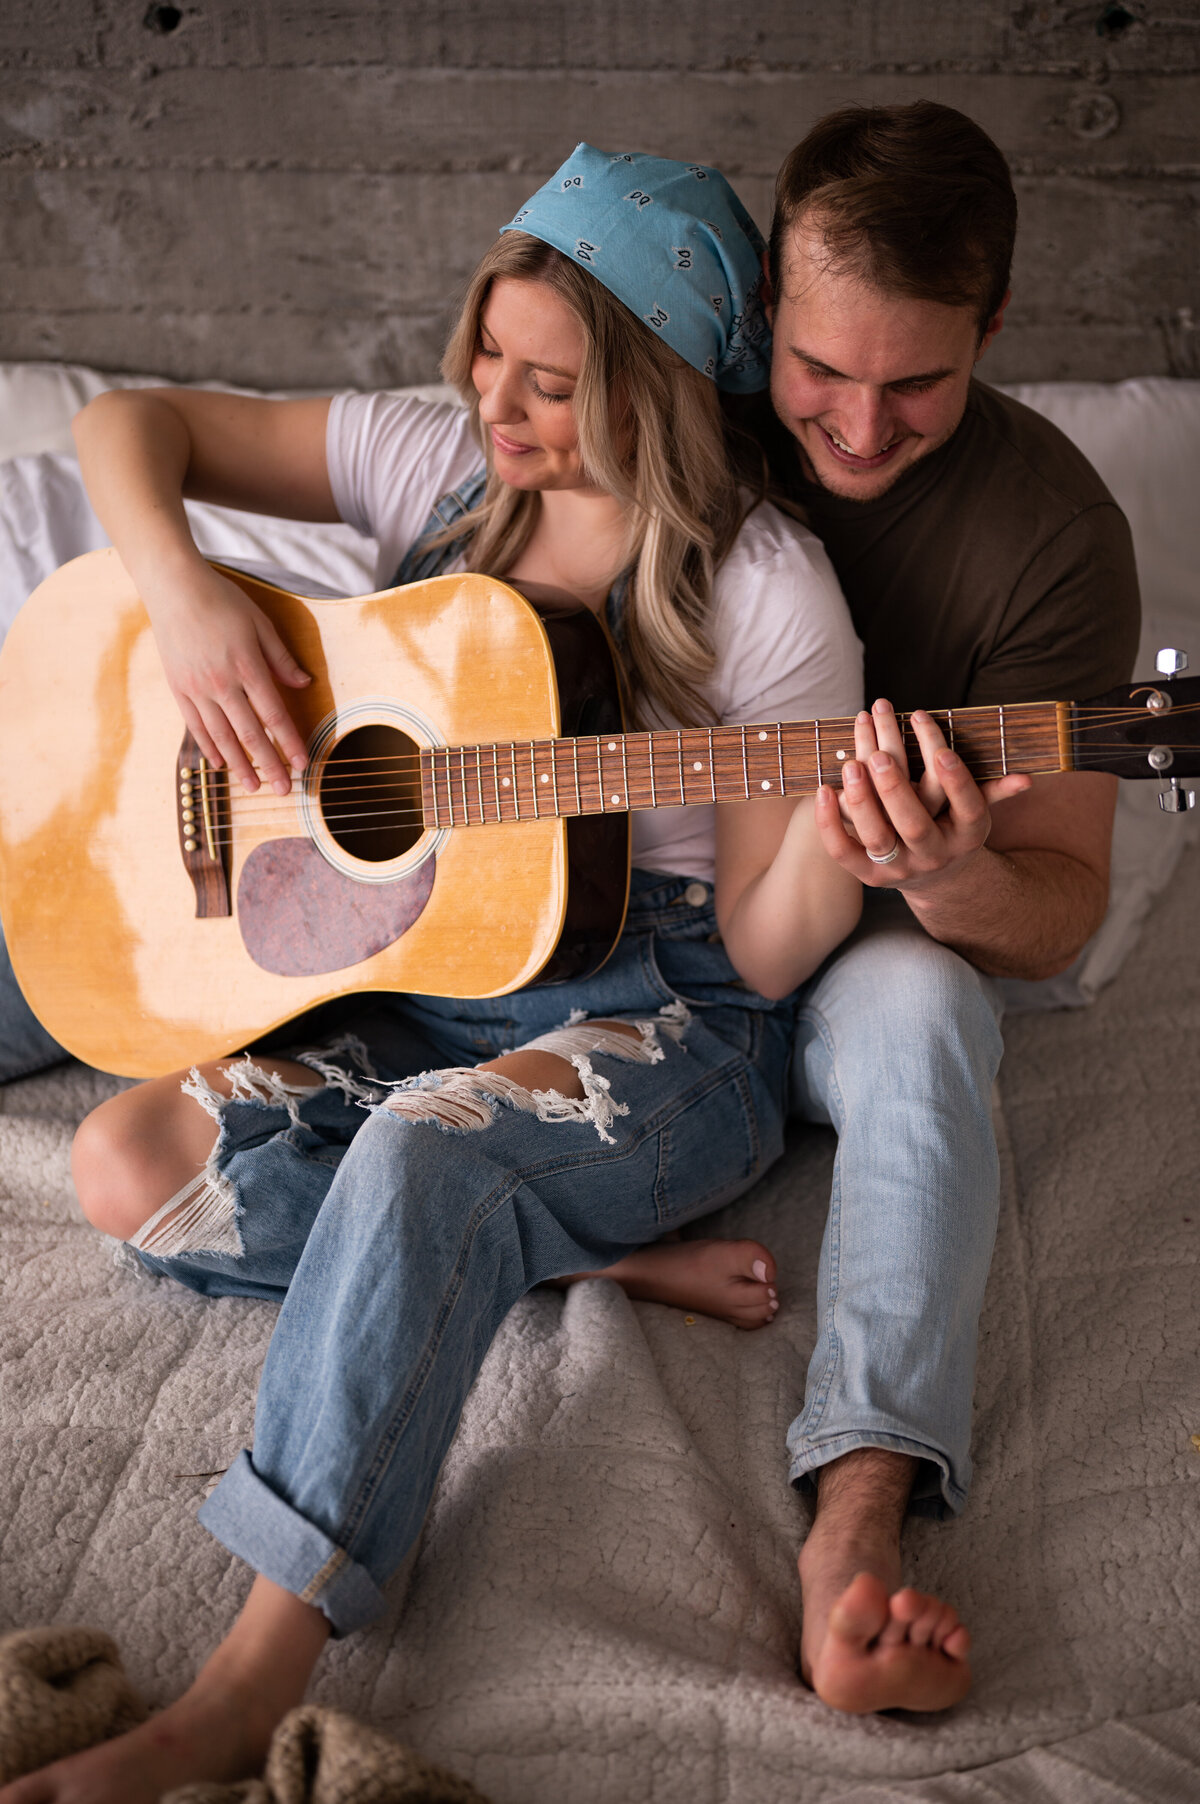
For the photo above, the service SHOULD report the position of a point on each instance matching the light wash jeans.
(396, 1239)
(897, 1047)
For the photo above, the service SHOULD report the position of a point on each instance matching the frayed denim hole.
(431, 1084)
(464, 1098)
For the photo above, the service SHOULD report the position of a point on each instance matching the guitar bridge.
(202, 814)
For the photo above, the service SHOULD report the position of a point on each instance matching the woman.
(501, 1148)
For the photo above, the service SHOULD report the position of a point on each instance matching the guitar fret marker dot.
(543, 778)
(612, 745)
(766, 786)
(840, 754)
(697, 765)
(616, 799)
(504, 783)
(762, 735)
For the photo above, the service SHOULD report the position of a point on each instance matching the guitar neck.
(530, 779)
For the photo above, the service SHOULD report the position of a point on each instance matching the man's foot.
(733, 1280)
(211, 1733)
(866, 1644)
(906, 1651)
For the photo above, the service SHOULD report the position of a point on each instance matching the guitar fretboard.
(525, 780)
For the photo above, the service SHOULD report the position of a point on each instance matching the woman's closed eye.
(545, 394)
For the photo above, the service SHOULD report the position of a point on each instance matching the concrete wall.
(291, 191)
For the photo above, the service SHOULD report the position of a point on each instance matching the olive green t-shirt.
(997, 569)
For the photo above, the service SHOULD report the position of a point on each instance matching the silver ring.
(885, 857)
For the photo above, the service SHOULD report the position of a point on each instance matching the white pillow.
(1143, 437)
(45, 517)
(39, 400)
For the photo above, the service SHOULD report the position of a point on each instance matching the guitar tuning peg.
(1173, 800)
(1176, 800)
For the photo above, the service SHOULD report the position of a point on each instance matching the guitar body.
(325, 892)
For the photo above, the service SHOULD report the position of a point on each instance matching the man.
(984, 562)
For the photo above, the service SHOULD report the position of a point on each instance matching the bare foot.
(873, 1647)
(903, 1652)
(733, 1280)
(866, 1643)
(221, 1727)
(208, 1734)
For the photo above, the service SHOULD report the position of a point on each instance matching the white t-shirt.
(785, 647)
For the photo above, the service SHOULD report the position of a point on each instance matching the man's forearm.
(1025, 913)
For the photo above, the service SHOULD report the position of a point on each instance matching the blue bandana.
(674, 243)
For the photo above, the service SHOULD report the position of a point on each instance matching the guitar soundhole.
(371, 793)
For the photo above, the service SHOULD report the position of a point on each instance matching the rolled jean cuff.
(255, 1522)
(936, 1492)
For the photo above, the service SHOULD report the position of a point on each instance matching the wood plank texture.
(396, 121)
(629, 34)
(292, 192)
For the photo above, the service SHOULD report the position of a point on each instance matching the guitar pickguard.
(299, 917)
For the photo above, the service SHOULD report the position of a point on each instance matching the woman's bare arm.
(141, 452)
(782, 902)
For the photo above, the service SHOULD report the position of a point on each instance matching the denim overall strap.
(614, 609)
(421, 561)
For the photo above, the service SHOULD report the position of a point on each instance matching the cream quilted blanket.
(603, 1608)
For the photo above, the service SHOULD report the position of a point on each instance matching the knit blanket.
(604, 1604)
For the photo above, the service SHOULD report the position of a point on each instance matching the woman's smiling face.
(525, 369)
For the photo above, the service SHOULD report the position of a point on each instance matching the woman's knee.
(134, 1152)
(141, 1148)
(110, 1170)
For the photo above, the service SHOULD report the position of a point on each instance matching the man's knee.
(900, 1012)
(907, 986)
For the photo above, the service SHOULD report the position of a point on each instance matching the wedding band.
(885, 857)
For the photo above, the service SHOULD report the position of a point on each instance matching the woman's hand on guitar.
(223, 660)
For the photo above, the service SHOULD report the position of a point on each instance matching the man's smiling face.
(866, 381)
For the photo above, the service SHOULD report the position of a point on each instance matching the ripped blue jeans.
(399, 1207)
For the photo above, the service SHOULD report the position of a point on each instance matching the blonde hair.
(651, 434)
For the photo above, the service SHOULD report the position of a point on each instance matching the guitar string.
(1096, 716)
(243, 805)
(408, 762)
(258, 804)
(246, 807)
(343, 773)
(348, 770)
(391, 819)
(732, 768)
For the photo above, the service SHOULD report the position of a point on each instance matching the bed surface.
(603, 1607)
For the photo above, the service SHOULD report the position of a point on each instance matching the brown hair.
(916, 199)
(651, 433)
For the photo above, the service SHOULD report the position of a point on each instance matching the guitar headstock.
(1146, 729)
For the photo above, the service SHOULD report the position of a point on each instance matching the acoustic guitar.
(462, 828)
